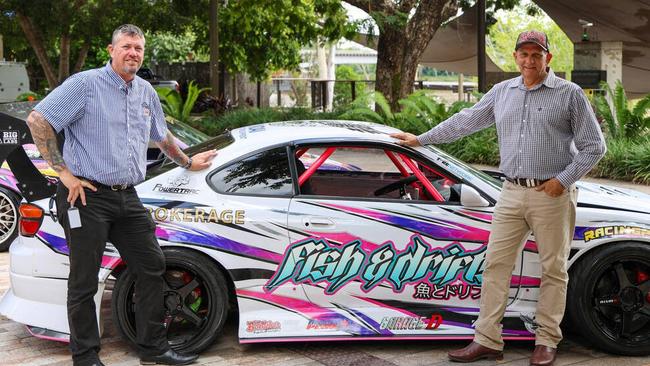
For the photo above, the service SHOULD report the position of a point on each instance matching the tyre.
(609, 297)
(196, 301)
(8, 218)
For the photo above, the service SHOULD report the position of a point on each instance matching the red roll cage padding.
(330, 150)
(434, 193)
(399, 165)
(321, 159)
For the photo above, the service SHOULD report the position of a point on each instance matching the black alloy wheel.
(609, 297)
(196, 301)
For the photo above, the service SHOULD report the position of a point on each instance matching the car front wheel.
(609, 296)
(8, 218)
(196, 301)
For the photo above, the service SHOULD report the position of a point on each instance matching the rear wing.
(14, 133)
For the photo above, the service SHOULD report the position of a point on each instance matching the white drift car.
(329, 230)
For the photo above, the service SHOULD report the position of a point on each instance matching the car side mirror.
(469, 197)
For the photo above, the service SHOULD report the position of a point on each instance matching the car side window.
(369, 172)
(266, 173)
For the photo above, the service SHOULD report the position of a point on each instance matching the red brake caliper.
(641, 277)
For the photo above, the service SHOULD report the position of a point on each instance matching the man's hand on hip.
(202, 160)
(75, 187)
(551, 187)
(406, 139)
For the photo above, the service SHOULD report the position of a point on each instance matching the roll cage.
(406, 166)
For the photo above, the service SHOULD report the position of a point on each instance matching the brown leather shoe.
(543, 356)
(474, 352)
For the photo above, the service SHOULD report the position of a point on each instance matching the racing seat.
(306, 187)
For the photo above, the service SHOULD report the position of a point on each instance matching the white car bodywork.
(294, 260)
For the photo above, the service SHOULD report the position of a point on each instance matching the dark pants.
(120, 218)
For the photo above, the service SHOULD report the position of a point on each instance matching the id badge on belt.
(74, 218)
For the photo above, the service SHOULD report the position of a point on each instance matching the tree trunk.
(214, 48)
(405, 29)
(35, 40)
(64, 57)
(81, 57)
(397, 66)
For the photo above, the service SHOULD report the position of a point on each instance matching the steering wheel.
(399, 184)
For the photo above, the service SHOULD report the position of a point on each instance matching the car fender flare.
(205, 252)
(599, 243)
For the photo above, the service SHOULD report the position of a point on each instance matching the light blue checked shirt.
(548, 131)
(107, 124)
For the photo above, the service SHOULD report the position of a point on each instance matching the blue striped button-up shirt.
(107, 124)
(548, 131)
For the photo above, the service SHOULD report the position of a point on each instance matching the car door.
(366, 233)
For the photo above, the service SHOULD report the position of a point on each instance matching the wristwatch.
(188, 164)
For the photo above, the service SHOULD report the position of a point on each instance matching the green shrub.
(173, 105)
(625, 160)
(479, 148)
(621, 121)
(250, 116)
(28, 97)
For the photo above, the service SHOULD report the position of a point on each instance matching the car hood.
(610, 197)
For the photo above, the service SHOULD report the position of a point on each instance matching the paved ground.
(17, 347)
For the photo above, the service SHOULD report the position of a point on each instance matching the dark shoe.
(168, 358)
(94, 361)
(475, 352)
(543, 356)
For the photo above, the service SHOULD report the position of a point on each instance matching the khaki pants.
(552, 221)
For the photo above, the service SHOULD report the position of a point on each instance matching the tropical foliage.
(625, 160)
(621, 120)
(419, 111)
(174, 105)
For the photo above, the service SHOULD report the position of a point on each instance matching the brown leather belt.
(527, 182)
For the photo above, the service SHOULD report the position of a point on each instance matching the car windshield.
(465, 171)
(217, 143)
(17, 110)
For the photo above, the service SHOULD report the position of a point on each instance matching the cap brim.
(533, 42)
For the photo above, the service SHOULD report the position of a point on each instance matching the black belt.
(113, 187)
(526, 182)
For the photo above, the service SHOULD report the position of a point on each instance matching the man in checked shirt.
(548, 139)
(109, 115)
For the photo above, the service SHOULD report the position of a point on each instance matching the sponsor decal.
(411, 322)
(175, 185)
(462, 291)
(181, 180)
(328, 324)
(609, 231)
(262, 326)
(160, 188)
(317, 261)
(10, 137)
(198, 215)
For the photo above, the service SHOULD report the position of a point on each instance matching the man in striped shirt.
(108, 116)
(548, 139)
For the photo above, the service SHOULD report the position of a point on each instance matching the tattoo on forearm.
(45, 140)
(169, 147)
